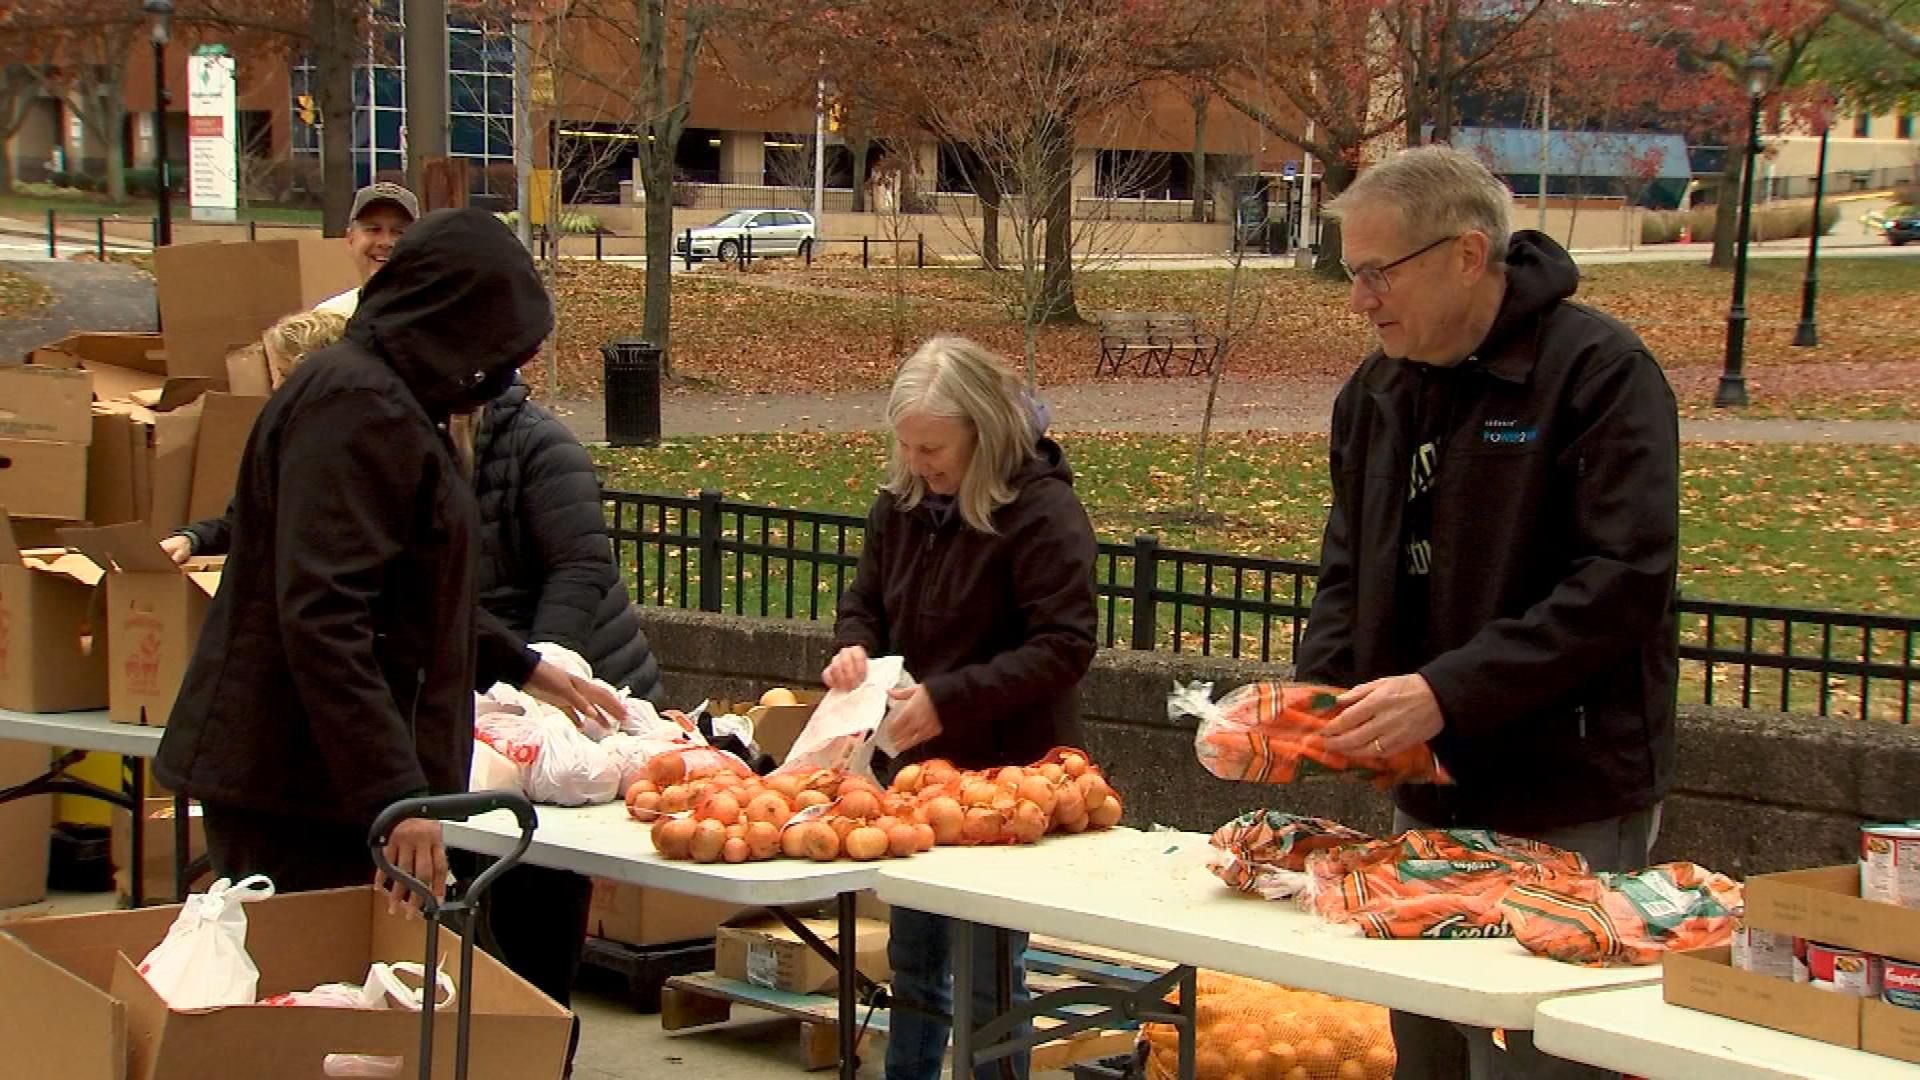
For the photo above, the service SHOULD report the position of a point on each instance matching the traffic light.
(833, 117)
(307, 112)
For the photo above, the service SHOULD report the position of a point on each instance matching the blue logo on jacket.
(1507, 433)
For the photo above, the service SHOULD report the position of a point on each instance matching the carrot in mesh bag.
(1624, 919)
(1431, 883)
(1270, 733)
(1265, 851)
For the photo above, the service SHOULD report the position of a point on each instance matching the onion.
(768, 806)
(1036, 790)
(810, 797)
(720, 806)
(978, 793)
(1028, 824)
(644, 806)
(982, 825)
(947, 820)
(1009, 778)
(763, 840)
(1106, 815)
(735, 850)
(821, 842)
(709, 837)
(793, 842)
(859, 803)
(902, 841)
(866, 843)
(667, 768)
(1054, 773)
(1093, 790)
(923, 836)
(1074, 765)
(788, 785)
(1069, 803)
(676, 838)
(907, 779)
(675, 799)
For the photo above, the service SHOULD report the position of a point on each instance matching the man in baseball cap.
(381, 212)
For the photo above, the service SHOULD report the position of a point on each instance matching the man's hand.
(578, 698)
(417, 848)
(848, 669)
(1384, 717)
(178, 548)
(914, 722)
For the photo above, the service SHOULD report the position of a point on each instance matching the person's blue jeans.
(920, 950)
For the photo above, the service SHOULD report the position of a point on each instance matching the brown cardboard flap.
(131, 351)
(37, 994)
(172, 394)
(1823, 904)
(44, 479)
(260, 283)
(126, 548)
(112, 383)
(1705, 979)
(247, 371)
(53, 404)
(9, 547)
(226, 423)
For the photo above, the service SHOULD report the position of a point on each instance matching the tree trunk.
(656, 177)
(1057, 290)
(1334, 180)
(859, 147)
(1199, 170)
(330, 34)
(1726, 210)
(987, 191)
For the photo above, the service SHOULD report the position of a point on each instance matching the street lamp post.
(1733, 380)
(162, 12)
(1808, 333)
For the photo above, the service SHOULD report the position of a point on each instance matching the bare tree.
(19, 88)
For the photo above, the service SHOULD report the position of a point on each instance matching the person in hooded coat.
(1497, 576)
(336, 670)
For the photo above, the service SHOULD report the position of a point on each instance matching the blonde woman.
(978, 569)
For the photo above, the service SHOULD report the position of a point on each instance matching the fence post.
(597, 233)
(807, 250)
(709, 560)
(864, 264)
(253, 231)
(53, 241)
(100, 238)
(920, 251)
(689, 247)
(1146, 579)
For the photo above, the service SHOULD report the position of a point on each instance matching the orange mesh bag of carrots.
(1624, 919)
(1264, 852)
(1432, 883)
(1250, 1030)
(1270, 733)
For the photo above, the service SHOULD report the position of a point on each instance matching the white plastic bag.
(841, 732)
(203, 963)
(557, 764)
(387, 986)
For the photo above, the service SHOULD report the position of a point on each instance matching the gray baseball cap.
(387, 193)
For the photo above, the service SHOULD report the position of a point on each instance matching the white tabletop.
(605, 842)
(1152, 894)
(1636, 1032)
(81, 731)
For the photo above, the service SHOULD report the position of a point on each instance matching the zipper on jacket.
(413, 711)
(1580, 714)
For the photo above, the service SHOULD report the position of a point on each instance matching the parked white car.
(772, 232)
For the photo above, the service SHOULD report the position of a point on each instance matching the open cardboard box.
(637, 915)
(156, 872)
(26, 826)
(775, 727)
(77, 1009)
(259, 283)
(46, 422)
(154, 612)
(47, 619)
(1824, 905)
(1705, 979)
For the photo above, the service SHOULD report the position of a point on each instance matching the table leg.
(182, 847)
(962, 963)
(1189, 1029)
(1002, 986)
(848, 967)
(137, 838)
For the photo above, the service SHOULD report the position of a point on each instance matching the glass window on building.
(1904, 126)
(1862, 126)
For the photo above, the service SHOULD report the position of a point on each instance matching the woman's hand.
(179, 548)
(914, 722)
(848, 669)
(577, 697)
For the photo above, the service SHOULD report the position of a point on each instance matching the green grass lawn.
(1825, 527)
(89, 207)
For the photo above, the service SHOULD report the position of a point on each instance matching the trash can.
(632, 380)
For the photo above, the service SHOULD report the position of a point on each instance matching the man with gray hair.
(1497, 574)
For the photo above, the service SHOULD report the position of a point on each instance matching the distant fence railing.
(711, 553)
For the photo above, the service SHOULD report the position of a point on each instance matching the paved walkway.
(86, 296)
(1144, 407)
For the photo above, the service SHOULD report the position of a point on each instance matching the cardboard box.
(78, 1010)
(118, 363)
(156, 877)
(765, 953)
(637, 915)
(44, 479)
(775, 727)
(259, 283)
(154, 612)
(226, 423)
(1890, 1030)
(26, 826)
(247, 372)
(1824, 905)
(141, 469)
(1705, 979)
(50, 659)
(45, 404)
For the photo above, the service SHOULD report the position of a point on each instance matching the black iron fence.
(714, 554)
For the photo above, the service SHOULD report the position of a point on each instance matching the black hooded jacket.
(1549, 636)
(546, 567)
(998, 627)
(336, 669)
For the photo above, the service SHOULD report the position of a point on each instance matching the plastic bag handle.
(452, 808)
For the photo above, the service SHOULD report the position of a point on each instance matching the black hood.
(1048, 460)
(1540, 274)
(456, 309)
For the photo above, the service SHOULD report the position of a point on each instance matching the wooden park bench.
(1155, 337)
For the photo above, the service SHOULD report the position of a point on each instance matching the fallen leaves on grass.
(21, 295)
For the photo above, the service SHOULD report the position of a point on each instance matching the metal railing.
(711, 553)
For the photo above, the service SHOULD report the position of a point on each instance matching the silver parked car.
(771, 232)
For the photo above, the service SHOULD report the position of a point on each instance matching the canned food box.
(1900, 984)
(1762, 952)
(1846, 971)
(1890, 864)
